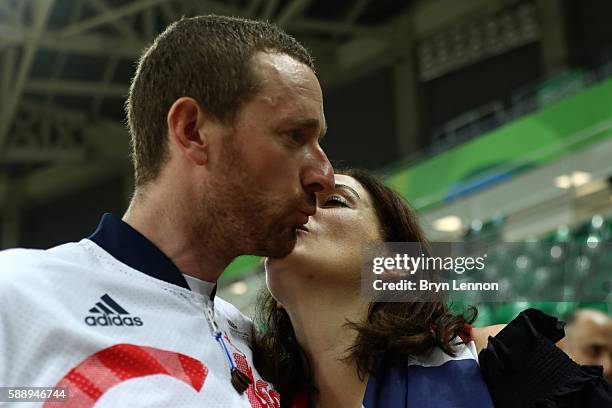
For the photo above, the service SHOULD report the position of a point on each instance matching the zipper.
(240, 381)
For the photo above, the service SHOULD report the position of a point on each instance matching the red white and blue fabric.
(433, 381)
(436, 380)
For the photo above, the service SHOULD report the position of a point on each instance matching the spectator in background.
(588, 339)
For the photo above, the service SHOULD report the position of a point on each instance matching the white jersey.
(75, 317)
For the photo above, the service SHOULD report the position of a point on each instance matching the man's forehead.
(291, 89)
(275, 66)
(589, 330)
(593, 317)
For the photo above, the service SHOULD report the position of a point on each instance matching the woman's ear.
(186, 129)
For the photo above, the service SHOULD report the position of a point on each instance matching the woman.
(324, 347)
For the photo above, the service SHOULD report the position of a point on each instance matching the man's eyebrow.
(311, 123)
(348, 188)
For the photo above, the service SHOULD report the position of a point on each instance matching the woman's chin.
(294, 264)
(299, 248)
(273, 264)
(284, 276)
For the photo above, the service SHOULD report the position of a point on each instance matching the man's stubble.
(238, 217)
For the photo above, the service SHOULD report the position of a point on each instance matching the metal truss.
(34, 130)
(110, 34)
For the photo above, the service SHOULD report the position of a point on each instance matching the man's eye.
(336, 200)
(296, 135)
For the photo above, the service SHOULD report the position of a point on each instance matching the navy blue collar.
(132, 248)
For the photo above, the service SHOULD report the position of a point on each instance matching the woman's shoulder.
(481, 335)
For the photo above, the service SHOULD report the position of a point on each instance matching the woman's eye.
(336, 200)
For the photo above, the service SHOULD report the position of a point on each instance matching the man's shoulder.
(16, 260)
(17, 264)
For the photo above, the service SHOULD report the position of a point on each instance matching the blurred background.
(492, 117)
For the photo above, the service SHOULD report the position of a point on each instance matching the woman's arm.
(481, 335)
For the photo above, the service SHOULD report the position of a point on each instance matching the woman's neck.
(319, 322)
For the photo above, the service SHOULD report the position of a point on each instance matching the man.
(225, 116)
(588, 339)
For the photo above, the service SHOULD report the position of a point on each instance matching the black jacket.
(523, 368)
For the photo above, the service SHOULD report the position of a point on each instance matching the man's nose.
(318, 176)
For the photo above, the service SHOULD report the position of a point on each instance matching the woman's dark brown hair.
(391, 329)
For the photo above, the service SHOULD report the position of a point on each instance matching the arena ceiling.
(65, 66)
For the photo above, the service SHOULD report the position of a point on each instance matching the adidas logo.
(107, 312)
(232, 324)
(234, 329)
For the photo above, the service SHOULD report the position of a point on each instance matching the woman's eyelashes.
(335, 200)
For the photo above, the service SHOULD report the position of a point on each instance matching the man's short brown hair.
(206, 58)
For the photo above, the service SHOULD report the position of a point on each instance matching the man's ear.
(185, 127)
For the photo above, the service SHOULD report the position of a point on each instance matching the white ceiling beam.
(121, 26)
(17, 18)
(433, 16)
(40, 13)
(75, 14)
(111, 45)
(353, 14)
(251, 9)
(103, 45)
(220, 7)
(5, 9)
(269, 9)
(4, 187)
(11, 210)
(107, 76)
(8, 68)
(84, 44)
(328, 27)
(39, 109)
(381, 46)
(359, 57)
(31, 138)
(291, 11)
(108, 146)
(55, 73)
(373, 48)
(56, 181)
(107, 138)
(86, 88)
(149, 24)
(109, 16)
(356, 11)
(21, 155)
(11, 34)
(169, 12)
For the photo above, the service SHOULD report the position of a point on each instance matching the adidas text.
(106, 320)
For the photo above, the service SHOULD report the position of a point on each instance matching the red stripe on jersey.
(90, 379)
